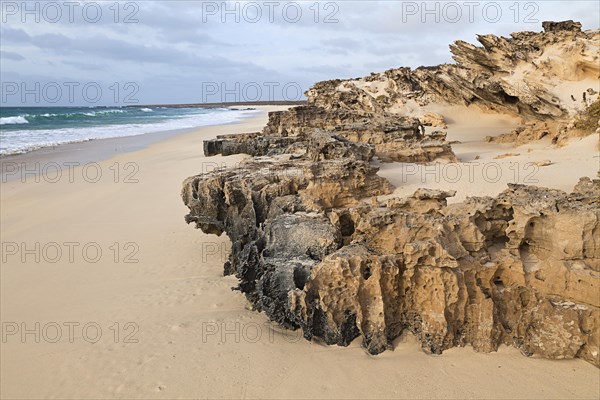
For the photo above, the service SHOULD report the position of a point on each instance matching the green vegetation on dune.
(588, 119)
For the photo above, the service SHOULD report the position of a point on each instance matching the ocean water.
(23, 129)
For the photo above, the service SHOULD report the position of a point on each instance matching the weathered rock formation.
(393, 137)
(516, 76)
(521, 269)
(314, 248)
(545, 78)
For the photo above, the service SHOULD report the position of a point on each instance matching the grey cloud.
(9, 55)
(86, 65)
(171, 50)
(113, 49)
(10, 35)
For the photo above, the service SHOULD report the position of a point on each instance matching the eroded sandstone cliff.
(314, 248)
(549, 79)
(545, 78)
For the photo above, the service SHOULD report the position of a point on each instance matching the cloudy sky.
(107, 52)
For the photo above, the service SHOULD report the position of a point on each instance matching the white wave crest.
(13, 120)
(110, 112)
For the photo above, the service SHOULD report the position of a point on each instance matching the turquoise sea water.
(24, 129)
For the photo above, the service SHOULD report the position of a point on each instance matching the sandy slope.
(486, 168)
(181, 305)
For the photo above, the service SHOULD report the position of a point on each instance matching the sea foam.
(18, 120)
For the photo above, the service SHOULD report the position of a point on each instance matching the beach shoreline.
(170, 326)
(92, 151)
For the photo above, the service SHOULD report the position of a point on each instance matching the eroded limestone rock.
(521, 269)
(314, 248)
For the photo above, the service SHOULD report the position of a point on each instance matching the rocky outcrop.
(584, 123)
(521, 269)
(316, 249)
(272, 210)
(517, 76)
(393, 138)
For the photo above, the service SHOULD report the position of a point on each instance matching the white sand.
(176, 295)
(488, 175)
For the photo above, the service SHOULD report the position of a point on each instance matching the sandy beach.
(107, 293)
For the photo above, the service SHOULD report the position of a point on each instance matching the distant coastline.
(223, 105)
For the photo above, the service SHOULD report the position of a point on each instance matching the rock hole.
(500, 240)
(499, 284)
(366, 273)
(348, 330)
(510, 99)
(300, 277)
(346, 225)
